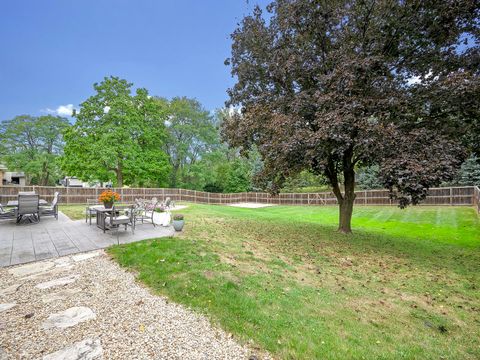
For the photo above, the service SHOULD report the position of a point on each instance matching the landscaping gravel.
(127, 321)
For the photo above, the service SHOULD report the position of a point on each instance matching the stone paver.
(10, 289)
(87, 349)
(85, 256)
(69, 317)
(57, 282)
(6, 306)
(31, 269)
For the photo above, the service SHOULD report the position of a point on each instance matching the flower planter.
(108, 197)
(178, 224)
(163, 218)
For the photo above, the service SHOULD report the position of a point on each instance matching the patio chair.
(144, 211)
(7, 213)
(90, 210)
(52, 209)
(28, 207)
(122, 215)
(168, 204)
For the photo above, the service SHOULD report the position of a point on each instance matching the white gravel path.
(129, 321)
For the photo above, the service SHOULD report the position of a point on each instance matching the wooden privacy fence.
(476, 197)
(465, 195)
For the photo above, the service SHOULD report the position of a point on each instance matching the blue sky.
(52, 51)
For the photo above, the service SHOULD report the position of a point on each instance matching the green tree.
(239, 177)
(118, 136)
(210, 172)
(469, 174)
(192, 134)
(369, 178)
(33, 145)
(217, 167)
(328, 86)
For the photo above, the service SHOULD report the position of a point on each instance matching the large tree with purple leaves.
(332, 85)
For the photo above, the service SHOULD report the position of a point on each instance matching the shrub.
(213, 187)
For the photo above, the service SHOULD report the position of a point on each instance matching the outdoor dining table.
(14, 203)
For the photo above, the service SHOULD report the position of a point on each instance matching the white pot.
(163, 218)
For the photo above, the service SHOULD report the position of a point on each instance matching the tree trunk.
(346, 203)
(345, 216)
(119, 172)
(174, 175)
(45, 175)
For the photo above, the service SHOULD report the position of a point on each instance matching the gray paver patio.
(53, 238)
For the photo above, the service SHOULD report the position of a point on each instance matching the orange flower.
(109, 195)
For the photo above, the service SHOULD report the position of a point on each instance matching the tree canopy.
(192, 133)
(469, 173)
(118, 136)
(130, 138)
(33, 145)
(326, 86)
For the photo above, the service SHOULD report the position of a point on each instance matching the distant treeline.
(131, 138)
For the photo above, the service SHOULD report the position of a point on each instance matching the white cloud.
(62, 110)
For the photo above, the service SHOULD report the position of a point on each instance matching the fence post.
(451, 197)
(365, 197)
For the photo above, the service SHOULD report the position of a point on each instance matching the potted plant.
(108, 197)
(178, 222)
(160, 209)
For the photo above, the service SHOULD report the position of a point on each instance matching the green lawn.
(74, 212)
(404, 286)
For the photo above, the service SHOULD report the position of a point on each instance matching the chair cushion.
(121, 219)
